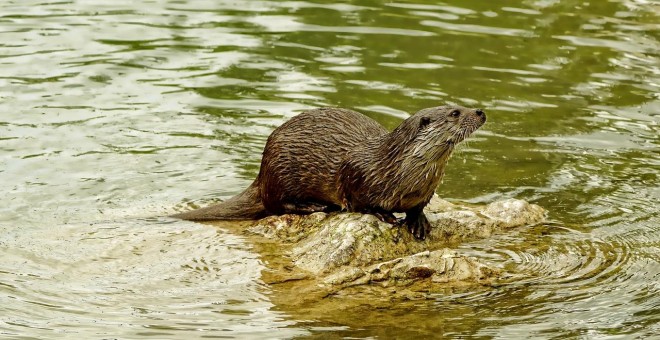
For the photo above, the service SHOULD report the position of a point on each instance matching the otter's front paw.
(419, 226)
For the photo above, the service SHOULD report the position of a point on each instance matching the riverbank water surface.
(115, 113)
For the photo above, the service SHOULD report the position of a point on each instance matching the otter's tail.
(244, 206)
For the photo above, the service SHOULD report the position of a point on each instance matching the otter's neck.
(412, 158)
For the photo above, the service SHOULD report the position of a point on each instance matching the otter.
(331, 159)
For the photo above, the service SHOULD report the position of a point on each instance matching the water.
(115, 113)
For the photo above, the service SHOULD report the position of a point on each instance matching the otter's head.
(448, 124)
(435, 131)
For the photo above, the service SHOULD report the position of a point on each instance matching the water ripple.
(123, 109)
(471, 28)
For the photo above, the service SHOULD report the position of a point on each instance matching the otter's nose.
(480, 113)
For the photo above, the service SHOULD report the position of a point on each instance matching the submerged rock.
(348, 249)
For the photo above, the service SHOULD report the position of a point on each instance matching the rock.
(342, 250)
(513, 213)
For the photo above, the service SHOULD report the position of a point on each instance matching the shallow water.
(114, 113)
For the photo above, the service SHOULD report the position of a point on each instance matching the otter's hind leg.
(384, 216)
(417, 223)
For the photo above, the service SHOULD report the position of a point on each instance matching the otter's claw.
(386, 217)
(419, 226)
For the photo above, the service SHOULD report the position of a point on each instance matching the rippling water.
(114, 112)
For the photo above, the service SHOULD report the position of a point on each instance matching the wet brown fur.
(330, 159)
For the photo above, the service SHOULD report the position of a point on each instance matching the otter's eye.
(455, 113)
(424, 122)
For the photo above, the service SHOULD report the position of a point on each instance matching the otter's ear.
(424, 121)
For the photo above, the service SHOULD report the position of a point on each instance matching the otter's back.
(302, 156)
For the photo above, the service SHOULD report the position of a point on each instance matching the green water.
(113, 113)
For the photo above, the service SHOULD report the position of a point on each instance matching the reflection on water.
(113, 112)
